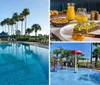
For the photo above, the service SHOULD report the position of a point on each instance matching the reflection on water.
(12, 51)
(4, 45)
(23, 57)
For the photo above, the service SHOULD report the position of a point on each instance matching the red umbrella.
(76, 52)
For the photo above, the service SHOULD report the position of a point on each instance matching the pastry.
(55, 12)
(78, 37)
(59, 21)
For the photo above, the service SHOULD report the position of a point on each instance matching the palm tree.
(17, 32)
(96, 44)
(5, 23)
(62, 54)
(25, 13)
(21, 18)
(66, 54)
(56, 52)
(96, 55)
(51, 54)
(16, 19)
(61, 49)
(12, 22)
(35, 28)
(2, 24)
(96, 51)
(28, 31)
(8, 23)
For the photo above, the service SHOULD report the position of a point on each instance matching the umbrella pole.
(75, 63)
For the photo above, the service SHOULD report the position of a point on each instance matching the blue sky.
(38, 12)
(84, 47)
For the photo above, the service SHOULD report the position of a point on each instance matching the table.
(56, 30)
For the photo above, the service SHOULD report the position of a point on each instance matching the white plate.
(66, 33)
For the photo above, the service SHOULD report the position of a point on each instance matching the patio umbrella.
(76, 52)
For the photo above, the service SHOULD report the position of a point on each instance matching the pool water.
(82, 77)
(23, 64)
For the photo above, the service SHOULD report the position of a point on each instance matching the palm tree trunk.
(11, 30)
(57, 55)
(22, 27)
(28, 34)
(5, 28)
(66, 59)
(14, 29)
(25, 23)
(17, 25)
(8, 30)
(36, 36)
(2, 28)
(96, 60)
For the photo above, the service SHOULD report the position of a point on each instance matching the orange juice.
(81, 18)
(70, 12)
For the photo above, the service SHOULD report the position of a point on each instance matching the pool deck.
(36, 44)
(31, 43)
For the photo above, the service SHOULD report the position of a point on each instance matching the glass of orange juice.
(81, 15)
(70, 15)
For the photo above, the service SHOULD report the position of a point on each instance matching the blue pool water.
(82, 77)
(23, 64)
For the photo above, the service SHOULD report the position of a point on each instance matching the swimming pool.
(23, 64)
(82, 77)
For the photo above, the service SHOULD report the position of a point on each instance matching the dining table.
(56, 30)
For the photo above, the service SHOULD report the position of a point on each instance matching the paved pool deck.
(43, 45)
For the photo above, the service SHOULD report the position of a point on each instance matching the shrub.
(32, 40)
(23, 39)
